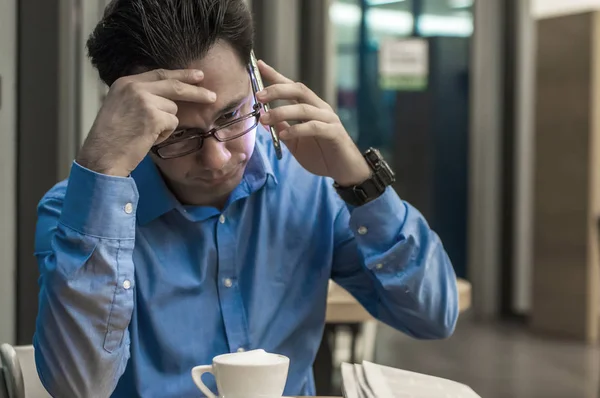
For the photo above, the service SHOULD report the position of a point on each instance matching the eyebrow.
(231, 105)
(234, 103)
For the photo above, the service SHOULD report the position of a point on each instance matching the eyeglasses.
(191, 140)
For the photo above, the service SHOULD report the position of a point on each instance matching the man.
(179, 235)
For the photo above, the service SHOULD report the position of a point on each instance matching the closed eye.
(178, 134)
(226, 117)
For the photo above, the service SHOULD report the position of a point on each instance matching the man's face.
(214, 171)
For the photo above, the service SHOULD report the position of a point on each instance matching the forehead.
(223, 70)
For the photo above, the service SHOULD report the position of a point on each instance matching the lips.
(217, 180)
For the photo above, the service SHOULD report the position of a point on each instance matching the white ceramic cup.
(250, 374)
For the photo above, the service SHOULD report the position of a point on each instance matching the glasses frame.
(156, 149)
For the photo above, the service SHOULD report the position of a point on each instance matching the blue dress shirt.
(136, 289)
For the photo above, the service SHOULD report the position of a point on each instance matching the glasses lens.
(226, 132)
(180, 148)
(237, 129)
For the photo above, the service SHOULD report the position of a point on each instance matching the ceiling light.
(460, 3)
(400, 22)
(383, 2)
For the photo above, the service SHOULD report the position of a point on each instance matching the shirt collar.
(259, 170)
(156, 199)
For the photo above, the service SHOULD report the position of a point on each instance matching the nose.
(214, 155)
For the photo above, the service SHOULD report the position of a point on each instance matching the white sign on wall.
(404, 64)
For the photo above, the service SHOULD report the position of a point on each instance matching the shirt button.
(227, 282)
(128, 208)
(241, 349)
(363, 230)
(126, 284)
(222, 219)
(379, 266)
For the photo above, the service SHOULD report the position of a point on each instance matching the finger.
(278, 127)
(165, 105)
(291, 92)
(313, 128)
(298, 113)
(269, 73)
(167, 123)
(177, 90)
(190, 76)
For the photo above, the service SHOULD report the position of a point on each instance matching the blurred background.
(489, 112)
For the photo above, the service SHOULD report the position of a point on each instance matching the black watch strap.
(381, 177)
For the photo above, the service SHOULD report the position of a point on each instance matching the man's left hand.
(320, 142)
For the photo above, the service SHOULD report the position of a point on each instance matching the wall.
(528, 12)
(548, 8)
(566, 190)
(485, 158)
(524, 157)
(7, 168)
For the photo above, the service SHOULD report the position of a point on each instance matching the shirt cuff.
(100, 205)
(377, 225)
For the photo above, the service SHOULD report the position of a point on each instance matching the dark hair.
(138, 35)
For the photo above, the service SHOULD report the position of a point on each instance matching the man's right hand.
(139, 112)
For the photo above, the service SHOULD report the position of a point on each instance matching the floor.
(496, 360)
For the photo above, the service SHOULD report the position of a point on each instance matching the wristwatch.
(381, 177)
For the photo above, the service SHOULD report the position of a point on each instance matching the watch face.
(387, 167)
(387, 173)
(380, 167)
(374, 187)
(373, 157)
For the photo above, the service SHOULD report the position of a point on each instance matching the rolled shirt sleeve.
(85, 237)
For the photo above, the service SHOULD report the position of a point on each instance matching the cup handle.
(197, 373)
